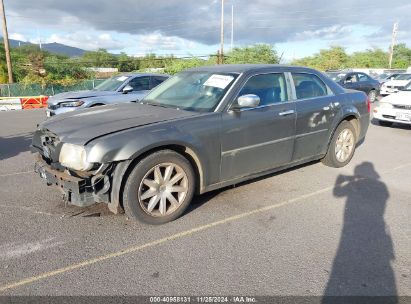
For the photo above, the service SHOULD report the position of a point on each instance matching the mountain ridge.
(54, 47)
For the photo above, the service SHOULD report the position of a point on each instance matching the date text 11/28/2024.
(203, 299)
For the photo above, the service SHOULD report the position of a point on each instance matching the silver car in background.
(117, 89)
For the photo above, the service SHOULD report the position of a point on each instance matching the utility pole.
(393, 38)
(222, 34)
(232, 26)
(6, 43)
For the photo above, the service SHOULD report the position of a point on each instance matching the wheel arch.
(351, 117)
(124, 168)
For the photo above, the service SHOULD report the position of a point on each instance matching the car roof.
(241, 68)
(141, 74)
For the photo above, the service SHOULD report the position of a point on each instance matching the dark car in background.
(130, 87)
(201, 130)
(357, 81)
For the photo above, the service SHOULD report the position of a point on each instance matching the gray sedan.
(117, 89)
(201, 130)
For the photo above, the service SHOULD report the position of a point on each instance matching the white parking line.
(22, 208)
(16, 173)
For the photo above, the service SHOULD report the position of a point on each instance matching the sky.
(296, 28)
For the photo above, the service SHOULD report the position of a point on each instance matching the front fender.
(130, 144)
(199, 137)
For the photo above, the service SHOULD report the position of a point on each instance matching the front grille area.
(403, 107)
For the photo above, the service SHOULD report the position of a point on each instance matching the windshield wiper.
(154, 104)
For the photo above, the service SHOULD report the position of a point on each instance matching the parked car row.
(117, 89)
(357, 81)
(201, 130)
(396, 84)
(384, 85)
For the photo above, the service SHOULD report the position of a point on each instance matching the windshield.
(336, 76)
(382, 76)
(193, 91)
(111, 84)
(403, 77)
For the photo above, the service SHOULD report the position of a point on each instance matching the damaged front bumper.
(79, 191)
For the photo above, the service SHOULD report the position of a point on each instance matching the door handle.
(285, 113)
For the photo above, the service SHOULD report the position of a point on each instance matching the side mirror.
(247, 101)
(348, 81)
(127, 89)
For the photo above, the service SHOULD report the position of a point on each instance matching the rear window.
(308, 86)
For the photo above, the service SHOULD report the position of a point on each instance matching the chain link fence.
(19, 89)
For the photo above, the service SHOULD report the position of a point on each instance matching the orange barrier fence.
(26, 102)
(34, 102)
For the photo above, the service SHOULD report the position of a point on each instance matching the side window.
(352, 78)
(363, 77)
(140, 83)
(308, 86)
(271, 88)
(156, 80)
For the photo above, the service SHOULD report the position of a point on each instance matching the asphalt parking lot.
(312, 230)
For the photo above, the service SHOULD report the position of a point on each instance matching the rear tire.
(159, 188)
(342, 146)
(385, 123)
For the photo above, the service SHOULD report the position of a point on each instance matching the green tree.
(126, 63)
(3, 66)
(402, 56)
(258, 53)
(99, 58)
(327, 59)
(178, 65)
(375, 58)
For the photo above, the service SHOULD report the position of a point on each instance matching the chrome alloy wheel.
(163, 189)
(372, 96)
(344, 145)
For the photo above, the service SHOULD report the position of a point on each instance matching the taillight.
(368, 105)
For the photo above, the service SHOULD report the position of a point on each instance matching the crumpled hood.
(397, 83)
(53, 100)
(400, 98)
(80, 127)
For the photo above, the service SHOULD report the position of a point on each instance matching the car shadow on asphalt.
(11, 146)
(362, 264)
(394, 126)
(202, 199)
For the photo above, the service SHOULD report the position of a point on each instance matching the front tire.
(159, 188)
(342, 146)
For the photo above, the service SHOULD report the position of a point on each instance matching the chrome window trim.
(259, 107)
(262, 107)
